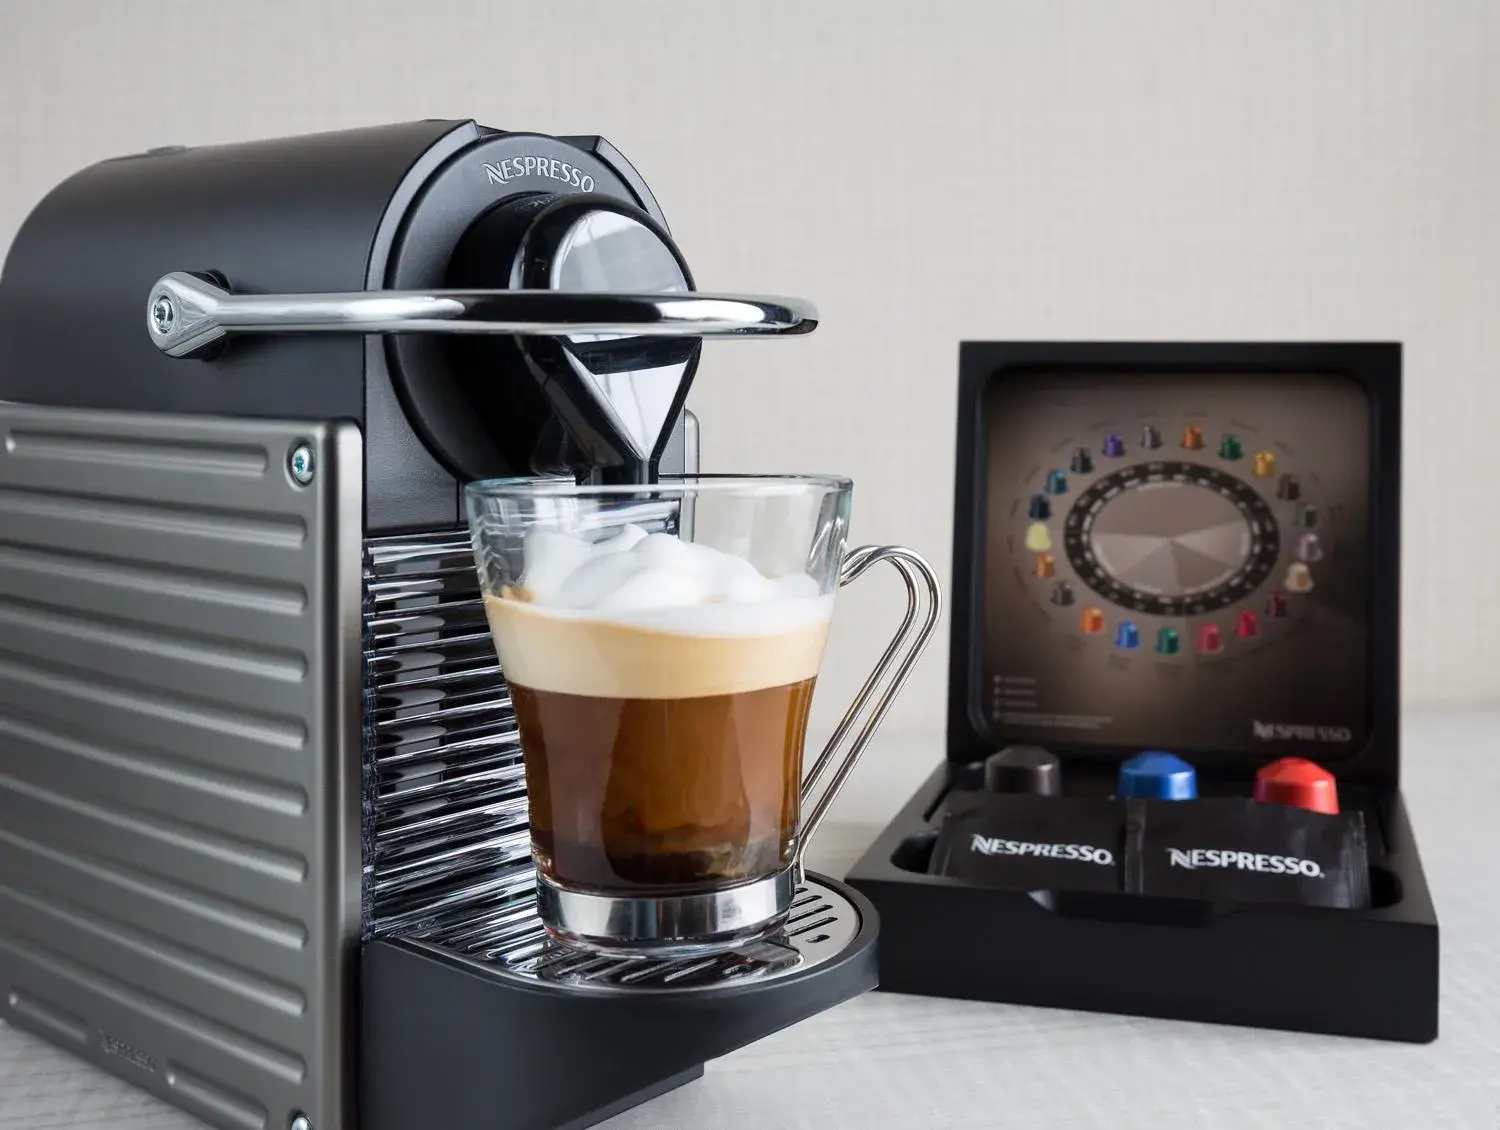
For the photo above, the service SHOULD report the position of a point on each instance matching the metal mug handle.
(920, 581)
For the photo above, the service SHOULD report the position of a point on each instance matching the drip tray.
(821, 926)
(508, 1027)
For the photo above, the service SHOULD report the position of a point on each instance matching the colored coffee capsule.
(1192, 437)
(1114, 446)
(1062, 594)
(1082, 462)
(1023, 769)
(1264, 464)
(1046, 565)
(1057, 482)
(1247, 625)
(1210, 639)
(1092, 621)
(1307, 515)
(1157, 775)
(1038, 538)
(1277, 605)
(1040, 508)
(1150, 437)
(1168, 641)
(1309, 548)
(1230, 447)
(1298, 783)
(1289, 488)
(1298, 578)
(1127, 635)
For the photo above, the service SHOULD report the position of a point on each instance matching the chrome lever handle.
(186, 313)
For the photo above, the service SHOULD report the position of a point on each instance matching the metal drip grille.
(445, 836)
(446, 846)
(821, 926)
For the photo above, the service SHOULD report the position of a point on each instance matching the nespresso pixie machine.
(263, 839)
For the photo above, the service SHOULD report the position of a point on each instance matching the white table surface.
(892, 1061)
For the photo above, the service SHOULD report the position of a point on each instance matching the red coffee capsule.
(1298, 783)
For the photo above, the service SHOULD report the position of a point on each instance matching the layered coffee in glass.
(662, 645)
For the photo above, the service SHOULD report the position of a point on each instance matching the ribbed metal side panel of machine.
(179, 793)
(445, 834)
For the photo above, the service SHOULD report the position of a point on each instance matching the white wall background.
(929, 172)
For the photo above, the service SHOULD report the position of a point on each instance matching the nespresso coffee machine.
(263, 840)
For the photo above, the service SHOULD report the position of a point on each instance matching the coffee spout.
(619, 399)
(619, 395)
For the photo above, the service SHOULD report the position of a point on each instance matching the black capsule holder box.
(1370, 972)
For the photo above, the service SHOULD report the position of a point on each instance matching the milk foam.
(643, 615)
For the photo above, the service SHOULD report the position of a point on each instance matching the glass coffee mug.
(661, 644)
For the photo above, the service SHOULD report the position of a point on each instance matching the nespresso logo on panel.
(119, 1049)
(1284, 732)
(1083, 853)
(1194, 859)
(502, 172)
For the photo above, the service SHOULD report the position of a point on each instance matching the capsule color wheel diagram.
(1173, 539)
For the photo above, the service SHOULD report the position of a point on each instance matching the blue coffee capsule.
(1157, 775)
(1040, 509)
(1127, 635)
(1057, 482)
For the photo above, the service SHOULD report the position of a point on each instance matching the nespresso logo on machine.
(501, 172)
(119, 1049)
(1283, 732)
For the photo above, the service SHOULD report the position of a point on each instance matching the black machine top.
(517, 282)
